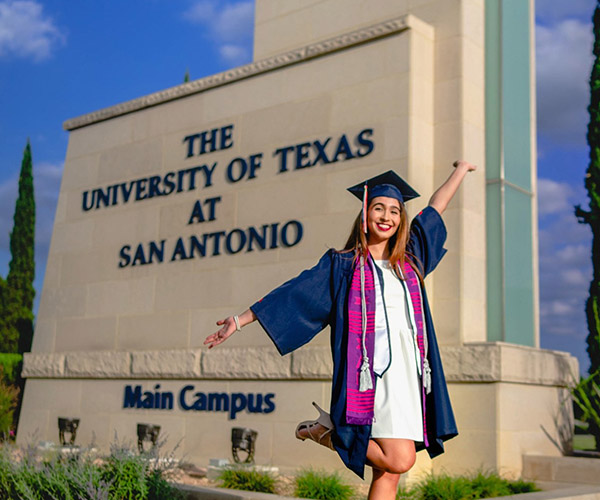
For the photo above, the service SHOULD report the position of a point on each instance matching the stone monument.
(184, 206)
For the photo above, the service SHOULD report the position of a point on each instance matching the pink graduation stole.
(360, 387)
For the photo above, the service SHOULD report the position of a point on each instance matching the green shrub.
(248, 480)
(32, 479)
(9, 396)
(586, 402)
(478, 485)
(321, 485)
(443, 487)
(520, 486)
(489, 485)
(121, 476)
(160, 489)
(10, 367)
(126, 473)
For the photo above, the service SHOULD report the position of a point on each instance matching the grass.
(248, 480)
(321, 485)
(478, 485)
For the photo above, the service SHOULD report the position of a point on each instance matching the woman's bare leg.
(384, 485)
(389, 458)
(396, 456)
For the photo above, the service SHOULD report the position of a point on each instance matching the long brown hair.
(396, 245)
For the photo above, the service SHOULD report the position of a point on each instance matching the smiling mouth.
(384, 227)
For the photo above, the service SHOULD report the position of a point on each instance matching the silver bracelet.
(238, 328)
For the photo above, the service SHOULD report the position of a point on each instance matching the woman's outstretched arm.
(229, 328)
(440, 199)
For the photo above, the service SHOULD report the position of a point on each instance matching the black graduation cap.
(388, 184)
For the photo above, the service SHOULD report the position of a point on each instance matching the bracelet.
(238, 328)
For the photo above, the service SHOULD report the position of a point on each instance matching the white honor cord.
(238, 328)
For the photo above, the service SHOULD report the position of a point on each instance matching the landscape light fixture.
(147, 432)
(243, 439)
(68, 425)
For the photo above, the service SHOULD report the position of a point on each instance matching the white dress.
(398, 412)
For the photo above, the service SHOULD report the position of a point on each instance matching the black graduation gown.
(295, 312)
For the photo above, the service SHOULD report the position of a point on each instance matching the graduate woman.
(389, 397)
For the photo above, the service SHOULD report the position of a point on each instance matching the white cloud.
(229, 24)
(563, 64)
(572, 253)
(565, 275)
(565, 268)
(26, 32)
(236, 22)
(576, 277)
(553, 196)
(201, 12)
(560, 307)
(234, 54)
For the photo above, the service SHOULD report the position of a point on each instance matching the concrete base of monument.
(571, 493)
(509, 401)
(561, 470)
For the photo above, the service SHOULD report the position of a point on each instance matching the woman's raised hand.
(440, 199)
(464, 164)
(223, 334)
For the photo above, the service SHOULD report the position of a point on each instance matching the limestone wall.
(508, 401)
(90, 302)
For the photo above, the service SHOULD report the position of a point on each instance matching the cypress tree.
(592, 216)
(21, 271)
(9, 335)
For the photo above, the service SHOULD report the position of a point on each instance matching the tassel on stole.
(365, 382)
(426, 376)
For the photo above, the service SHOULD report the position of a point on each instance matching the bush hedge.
(10, 367)
(479, 485)
(122, 475)
(238, 478)
(320, 485)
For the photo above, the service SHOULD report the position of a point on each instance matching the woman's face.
(383, 218)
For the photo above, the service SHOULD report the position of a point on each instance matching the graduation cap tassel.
(365, 382)
(364, 209)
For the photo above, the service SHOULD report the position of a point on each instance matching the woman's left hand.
(228, 329)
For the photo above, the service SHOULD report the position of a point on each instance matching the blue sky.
(60, 59)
